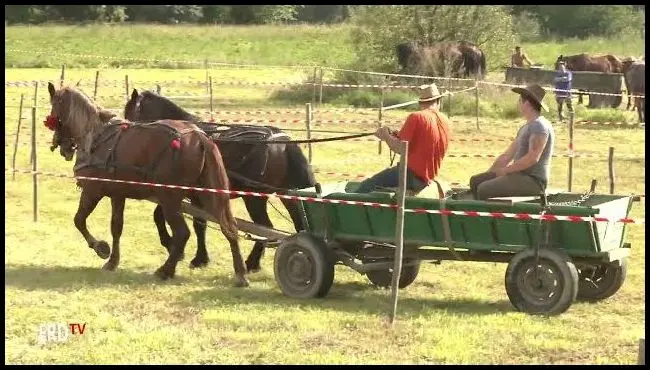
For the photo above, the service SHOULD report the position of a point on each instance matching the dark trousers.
(560, 102)
(389, 178)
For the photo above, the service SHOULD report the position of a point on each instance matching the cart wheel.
(304, 266)
(384, 278)
(603, 282)
(548, 287)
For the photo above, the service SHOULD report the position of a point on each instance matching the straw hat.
(428, 93)
(534, 92)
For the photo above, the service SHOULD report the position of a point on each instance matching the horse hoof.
(251, 269)
(163, 274)
(198, 262)
(102, 249)
(109, 266)
(241, 282)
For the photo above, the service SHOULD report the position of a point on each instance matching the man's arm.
(512, 61)
(505, 158)
(530, 63)
(393, 142)
(536, 146)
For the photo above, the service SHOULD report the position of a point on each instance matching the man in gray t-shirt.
(524, 168)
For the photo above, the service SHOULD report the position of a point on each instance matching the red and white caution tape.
(520, 216)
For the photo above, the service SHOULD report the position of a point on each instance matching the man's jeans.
(388, 178)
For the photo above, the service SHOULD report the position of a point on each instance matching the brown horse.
(165, 151)
(591, 63)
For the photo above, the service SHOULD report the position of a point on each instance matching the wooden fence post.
(34, 166)
(313, 83)
(34, 106)
(308, 123)
(211, 98)
(399, 230)
(610, 165)
(641, 360)
(207, 75)
(380, 116)
(62, 75)
(126, 86)
(320, 92)
(20, 120)
(96, 85)
(449, 97)
(478, 128)
(570, 179)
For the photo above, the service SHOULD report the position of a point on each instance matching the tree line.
(529, 21)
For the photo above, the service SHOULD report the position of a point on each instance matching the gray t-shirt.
(542, 169)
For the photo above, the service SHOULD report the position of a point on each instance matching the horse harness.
(111, 134)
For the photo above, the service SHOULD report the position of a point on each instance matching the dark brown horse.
(625, 67)
(455, 59)
(263, 167)
(635, 83)
(591, 63)
(165, 151)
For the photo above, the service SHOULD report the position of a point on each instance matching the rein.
(306, 141)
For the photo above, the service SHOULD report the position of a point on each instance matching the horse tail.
(214, 176)
(483, 70)
(300, 174)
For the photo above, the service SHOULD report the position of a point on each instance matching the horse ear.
(134, 94)
(51, 89)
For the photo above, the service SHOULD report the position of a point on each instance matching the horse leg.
(87, 204)
(256, 208)
(200, 225)
(180, 235)
(117, 224)
(295, 213)
(159, 219)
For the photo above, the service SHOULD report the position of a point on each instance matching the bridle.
(60, 138)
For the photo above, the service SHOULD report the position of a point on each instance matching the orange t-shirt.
(427, 132)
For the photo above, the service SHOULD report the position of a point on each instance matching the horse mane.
(172, 109)
(80, 113)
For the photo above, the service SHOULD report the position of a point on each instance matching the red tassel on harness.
(51, 122)
(176, 143)
(124, 126)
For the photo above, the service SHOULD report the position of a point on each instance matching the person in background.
(518, 58)
(531, 151)
(562, 81)
(427, 133)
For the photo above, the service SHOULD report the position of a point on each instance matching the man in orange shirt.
(427, 134)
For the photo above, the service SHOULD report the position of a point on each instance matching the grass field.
(455, 313)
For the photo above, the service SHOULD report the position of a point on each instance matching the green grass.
(274, 45)
(271, 45)
(455, 313)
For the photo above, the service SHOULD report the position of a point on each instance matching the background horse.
(456, 59)
(591, 63)
(115, 149)
(259, 167)
(635, 83)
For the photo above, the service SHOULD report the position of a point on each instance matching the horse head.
(149, 106)
(72, 117)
